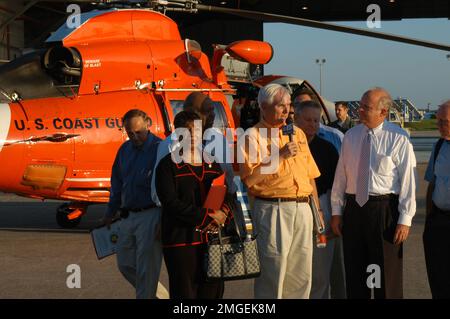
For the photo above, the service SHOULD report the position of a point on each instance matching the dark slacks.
(186, 274)
(368, 234)
(436, 243)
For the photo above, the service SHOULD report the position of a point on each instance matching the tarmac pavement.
(35, 254)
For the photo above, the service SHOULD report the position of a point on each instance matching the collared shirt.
(332, 135)
(285, 178)
(441, 175)
(392, 168)
(223, 158)
(131, 176)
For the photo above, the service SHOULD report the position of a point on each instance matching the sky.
(356, 63)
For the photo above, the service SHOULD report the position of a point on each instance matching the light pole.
(320, 62)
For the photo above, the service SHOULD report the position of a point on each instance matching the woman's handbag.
(232, 257)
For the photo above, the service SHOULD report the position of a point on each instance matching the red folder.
(216, 194)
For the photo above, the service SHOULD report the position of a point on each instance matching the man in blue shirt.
(437, 226)
(332, 135)
(139, 252)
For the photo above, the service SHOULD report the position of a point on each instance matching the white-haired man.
(373, 196)
(280, 176)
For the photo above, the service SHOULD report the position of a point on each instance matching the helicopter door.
(100, 134)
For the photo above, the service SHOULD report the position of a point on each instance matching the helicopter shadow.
(27, 215)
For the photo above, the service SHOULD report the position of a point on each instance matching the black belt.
(375, 197)
(137, 210)
(301, 199)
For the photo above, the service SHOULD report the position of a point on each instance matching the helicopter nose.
(5, 121)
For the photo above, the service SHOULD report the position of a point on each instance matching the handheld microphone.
(288, 129)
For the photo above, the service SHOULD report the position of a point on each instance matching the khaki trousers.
(139, 254)
(284, 235)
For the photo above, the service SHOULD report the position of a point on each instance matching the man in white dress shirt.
(373, 200)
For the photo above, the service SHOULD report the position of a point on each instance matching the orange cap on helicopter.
(254, 52)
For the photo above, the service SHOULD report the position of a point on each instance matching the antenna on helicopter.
(174, 5)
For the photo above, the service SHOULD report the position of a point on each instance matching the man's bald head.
(374, 107)
(380, 96)
(202, 105)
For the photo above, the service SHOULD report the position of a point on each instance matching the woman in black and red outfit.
(182, 189)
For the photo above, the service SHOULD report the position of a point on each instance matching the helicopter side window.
(220, 118)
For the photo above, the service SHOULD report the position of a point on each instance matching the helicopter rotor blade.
(194, 6)
(269, 17)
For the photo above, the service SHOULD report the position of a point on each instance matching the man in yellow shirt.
(279, 171)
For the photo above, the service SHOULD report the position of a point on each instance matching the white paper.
(105, 240)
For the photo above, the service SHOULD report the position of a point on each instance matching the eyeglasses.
(366, 107)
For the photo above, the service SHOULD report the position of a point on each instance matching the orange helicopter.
(60, 107)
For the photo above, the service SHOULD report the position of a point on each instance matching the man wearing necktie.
(373, 200)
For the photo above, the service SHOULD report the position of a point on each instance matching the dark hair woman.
(182, 189)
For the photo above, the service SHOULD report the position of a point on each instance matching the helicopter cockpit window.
(220, 119)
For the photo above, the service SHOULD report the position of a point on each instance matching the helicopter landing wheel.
(69, 217)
